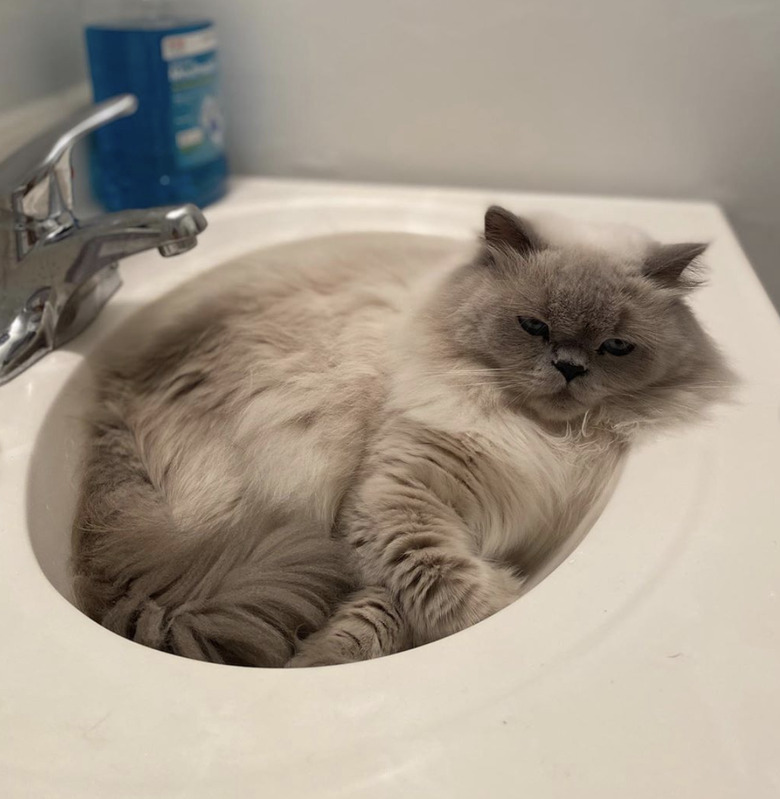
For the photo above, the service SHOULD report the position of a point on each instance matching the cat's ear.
(667, 264)
(505, 230)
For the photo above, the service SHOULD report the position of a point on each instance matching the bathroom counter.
(646, 665)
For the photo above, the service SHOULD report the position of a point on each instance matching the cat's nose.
(569, 370)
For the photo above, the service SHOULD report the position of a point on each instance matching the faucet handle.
(46, 160)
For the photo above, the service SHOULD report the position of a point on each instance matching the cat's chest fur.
(540, 487)
(520, 489)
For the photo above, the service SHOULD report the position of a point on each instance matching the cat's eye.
(534, 327)
(616, 346)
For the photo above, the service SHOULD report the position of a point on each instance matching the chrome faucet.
(56, 272)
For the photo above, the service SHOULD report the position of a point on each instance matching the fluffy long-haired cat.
(360, 444)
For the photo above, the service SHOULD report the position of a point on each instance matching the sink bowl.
(55, 464)
(645, 663)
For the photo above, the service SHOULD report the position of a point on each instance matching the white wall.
(676, 98)
(40, 49)
(648, 97)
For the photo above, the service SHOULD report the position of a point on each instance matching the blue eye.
(534, 327)
(615, 346)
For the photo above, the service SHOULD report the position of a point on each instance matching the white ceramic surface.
(644, 666)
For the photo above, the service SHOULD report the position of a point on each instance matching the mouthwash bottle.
(172, 150)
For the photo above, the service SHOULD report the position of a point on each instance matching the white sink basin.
(645, 665)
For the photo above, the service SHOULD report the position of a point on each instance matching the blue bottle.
(172, 149)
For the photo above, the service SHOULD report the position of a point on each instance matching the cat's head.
(569, 328)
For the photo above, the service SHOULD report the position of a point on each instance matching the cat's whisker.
(521, 396)
(485, 371)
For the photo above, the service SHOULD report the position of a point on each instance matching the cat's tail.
(232, 596)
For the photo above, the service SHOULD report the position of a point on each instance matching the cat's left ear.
(505, 230)
(667, 264)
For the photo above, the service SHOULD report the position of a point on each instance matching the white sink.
(645, 665)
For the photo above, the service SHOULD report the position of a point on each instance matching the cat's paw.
(495, 588)
(305, 660)
(325, 650)
(503, 586)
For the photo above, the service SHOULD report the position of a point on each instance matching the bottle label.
(198, 125)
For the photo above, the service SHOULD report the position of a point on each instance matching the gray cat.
(350, 446)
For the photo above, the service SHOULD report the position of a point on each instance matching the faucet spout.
(105, 239)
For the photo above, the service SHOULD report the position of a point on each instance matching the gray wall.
(40, 49)
(644, 97)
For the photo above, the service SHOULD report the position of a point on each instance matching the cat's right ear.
(504, 230)
(674, 265)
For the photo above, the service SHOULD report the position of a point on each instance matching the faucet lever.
(39, 158)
